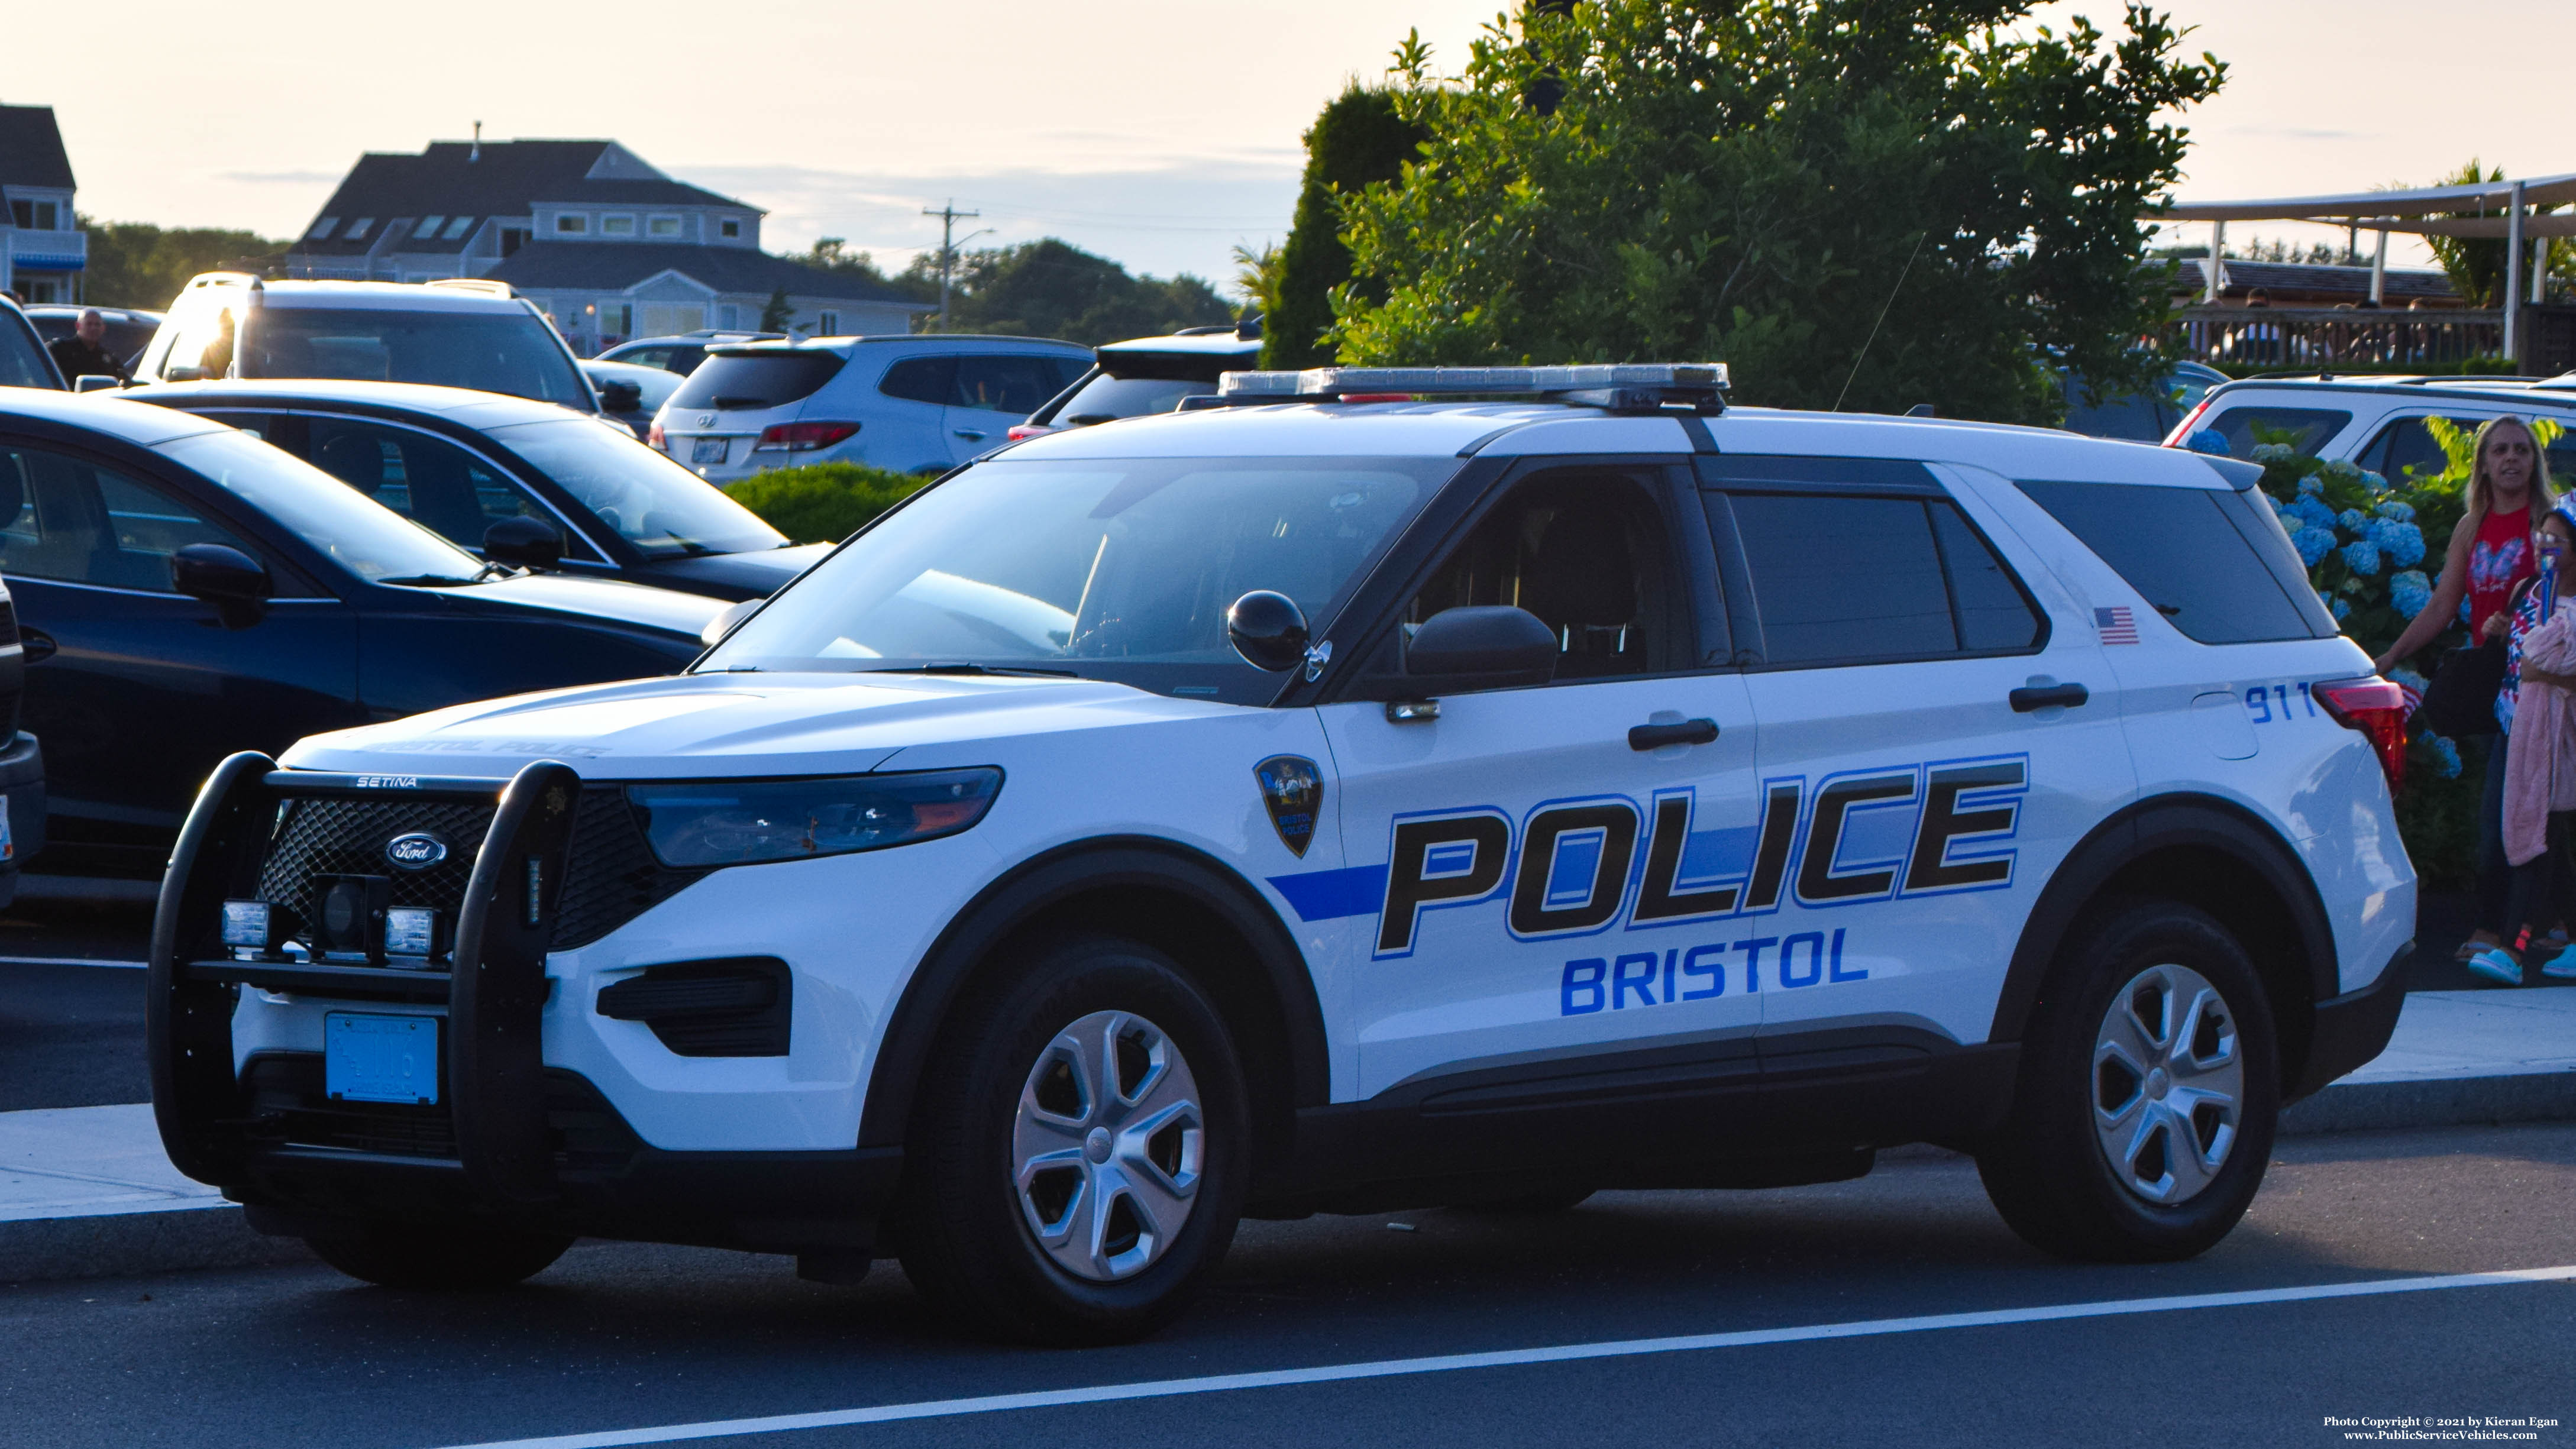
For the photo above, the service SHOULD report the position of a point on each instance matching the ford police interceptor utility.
(1348, 798)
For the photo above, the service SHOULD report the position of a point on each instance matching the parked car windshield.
(358, 533)
(1118, 570)
(655, 504)
(509, 352)
(1106, 397)
(734, 381)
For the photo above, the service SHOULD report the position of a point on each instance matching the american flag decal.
(2116, 625)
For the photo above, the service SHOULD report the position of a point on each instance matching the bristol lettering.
(1577, 867)
(1700, 973)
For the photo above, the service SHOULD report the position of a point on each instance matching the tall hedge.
(823, 502)
(1356, 140)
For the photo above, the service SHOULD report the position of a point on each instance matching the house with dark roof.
(609, 247)
(43, 251)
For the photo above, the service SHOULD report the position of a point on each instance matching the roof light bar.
(1620, 386)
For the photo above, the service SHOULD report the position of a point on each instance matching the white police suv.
(1342, 800)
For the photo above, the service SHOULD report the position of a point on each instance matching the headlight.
(737, 822)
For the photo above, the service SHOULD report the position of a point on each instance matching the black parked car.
(186, 591)
(461, 462)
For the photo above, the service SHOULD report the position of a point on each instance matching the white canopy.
(2368, 208)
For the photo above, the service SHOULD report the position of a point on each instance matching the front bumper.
(510, 1138)
(2352, 1029)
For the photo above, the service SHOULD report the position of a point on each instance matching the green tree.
(1760, 183)
(1358, 139)
(832, 254)
(1050, 288)
(775, 316)
(137, 264)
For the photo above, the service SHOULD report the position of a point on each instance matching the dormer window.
(665, 226)
(457, 227)
(571, 223)
(428, 227)
(730, 226)
(358, 229)
(617, 226)
(322, 229)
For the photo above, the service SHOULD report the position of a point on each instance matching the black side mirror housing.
(620, 397)
(1268, 630)
(1479, 646)
(236, 584)
(528, 542)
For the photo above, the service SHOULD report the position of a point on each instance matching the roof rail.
(1620, 387)
(483, 285)
(221, 279)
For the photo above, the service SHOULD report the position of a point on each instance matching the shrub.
(826, 502)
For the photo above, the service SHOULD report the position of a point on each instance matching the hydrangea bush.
(2373, 548)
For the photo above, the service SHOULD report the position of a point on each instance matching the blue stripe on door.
(1329, 895)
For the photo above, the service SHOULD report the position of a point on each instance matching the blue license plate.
(380, 1058)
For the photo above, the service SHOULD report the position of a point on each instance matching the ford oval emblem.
(418, 850)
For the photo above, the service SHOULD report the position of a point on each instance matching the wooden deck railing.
(2302, 337)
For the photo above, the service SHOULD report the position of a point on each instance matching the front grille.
(346, 835)
(613, 875)
(610, 878)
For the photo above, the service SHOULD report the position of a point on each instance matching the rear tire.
(403, 1256)
(2149, 1091)
(1078, 1158)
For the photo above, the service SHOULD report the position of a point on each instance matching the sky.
(1161, 133)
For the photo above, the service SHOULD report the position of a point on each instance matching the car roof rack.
(1619, 387)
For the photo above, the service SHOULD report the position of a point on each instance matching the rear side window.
(749, 381)
(2305, 429)
(1910, 579)
(2196, 555)
(921, 379)
(1012, 384)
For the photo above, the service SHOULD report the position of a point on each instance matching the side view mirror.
(728, 621)
(95, 382)
(232, 581)
(528, 542)
(1268, 630)
(1482, 646)
(620, 397)
(183, 374)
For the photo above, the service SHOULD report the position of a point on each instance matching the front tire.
(402, 1256)
(2149, 1092)
(1077, 1164)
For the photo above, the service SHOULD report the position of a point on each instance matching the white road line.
(1513, 1358)
(69, 961)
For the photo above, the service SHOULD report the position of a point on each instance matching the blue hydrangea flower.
(2314, 513)
(2377, 484)
(2403, 512)
(2206, 441)
(2446, 757)
(2343, 468)
(2269, 453)
(2311, 483)
(2353, 520)
(2313, 544)
(2362, 558)
(2409, 593)
(2403, 677)
(2342, 610)
(2403, 542)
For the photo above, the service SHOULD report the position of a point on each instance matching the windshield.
(511, 352)
(735, 381)
(355, 532)
(1105, 398)
(653, 503)
(23, 362)
(1118, 570)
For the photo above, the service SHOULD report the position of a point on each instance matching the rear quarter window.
(2212, 561)
(2306, 429)
(750, 381)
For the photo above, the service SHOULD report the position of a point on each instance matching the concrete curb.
(2434, 1102)
(117, 1245)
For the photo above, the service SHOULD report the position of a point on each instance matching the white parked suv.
(1311, 805)
(2377, 423)
(911, 404)
(460, 332)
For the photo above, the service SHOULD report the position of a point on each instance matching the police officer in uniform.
(81, 355)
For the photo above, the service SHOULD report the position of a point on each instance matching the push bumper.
(2352, 1029)
(510, 1139)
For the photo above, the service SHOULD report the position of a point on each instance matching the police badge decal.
(1293, 789)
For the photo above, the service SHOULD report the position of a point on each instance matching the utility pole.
(947, 250)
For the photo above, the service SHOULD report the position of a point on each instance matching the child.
(2540, 766)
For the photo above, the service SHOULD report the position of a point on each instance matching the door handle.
(39, 645)
(1688, 732)
(2045, 696)
(970, 435)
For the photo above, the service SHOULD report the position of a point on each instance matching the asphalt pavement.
(622, 1337)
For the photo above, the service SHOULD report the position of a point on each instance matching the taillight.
(802, 437)
(1021, 432)
(2377, 708)
(654, 436)
(2181, 435)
